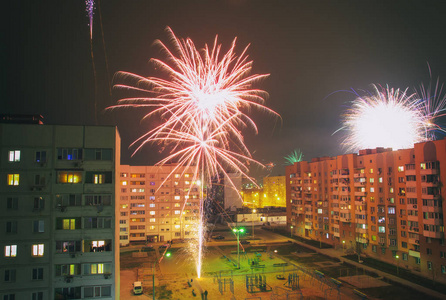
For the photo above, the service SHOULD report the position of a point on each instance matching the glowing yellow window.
(124, 182)
(177, 226)
(72, 269)
(94, 269)
(100, 268)
(99, 178)
(177, 175)
(13, 179)
(69, 224)
(186, 175)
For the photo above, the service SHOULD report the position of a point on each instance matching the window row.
(37, 226)
(37, 250)
(88, 223)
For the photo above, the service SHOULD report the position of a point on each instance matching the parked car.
(218, 237)
(137, 288)
(245, 242)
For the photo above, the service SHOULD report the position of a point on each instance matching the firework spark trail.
(386, 118)
(202, 105)
(90, 11)
(433, 106)
(295, 156)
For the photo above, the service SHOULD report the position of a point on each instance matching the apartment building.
(274, 191)
(57, 216)
(157, 203)
(380, 203)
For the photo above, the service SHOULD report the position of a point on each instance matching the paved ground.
(222, 280)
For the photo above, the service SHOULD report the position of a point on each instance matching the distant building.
(57, 216)
(157, 203)
(274, 192)
(380, 203)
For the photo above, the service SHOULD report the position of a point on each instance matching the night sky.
(315, 52)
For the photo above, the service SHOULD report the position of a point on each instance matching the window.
(68, 269)
(443, 269)
(68, 200)
(14, 155)
(97, 222)
(405, 256)
(69, 177)
(38, 249)
(39, 204)
(12, 203)
(429, 265)
(13, 179)
(374, 248)
(97, 199)
(417, 260)
(39, 226)
(99, 154)
(9, 297)
(10, 275)
(41, 156)
(11, 226)
(37, 273)
(37, 296)
(68, 224)
(68, 293)
(68, 246)
(69, 153)
(97, 291)
(404, 245)
(97, 268)
(11, 251)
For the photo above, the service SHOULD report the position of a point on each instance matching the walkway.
(339, 255)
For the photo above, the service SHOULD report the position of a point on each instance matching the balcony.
(433, 234)
(362, 240)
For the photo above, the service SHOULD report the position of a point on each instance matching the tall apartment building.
(157, 203)
(382, 203)
(57, 216)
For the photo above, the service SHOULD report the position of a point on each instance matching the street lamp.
(291, 230)
(237, 231)
(397, 265)
(343, 247)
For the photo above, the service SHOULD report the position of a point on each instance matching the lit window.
(186, 175)
(13, 179)
(99, 178)
(152, 205)
(177, 205)
(372, 180)
(11, 251)
(176, 183)
(400, 168)
(152, 227)
(152, 212)
(38, 250)
(152, 220)
(177, 197)
(177, 212)
(69, 224)
(69, 177)
(14, 155)
(177, 226)
(124, 182)
(187, 182)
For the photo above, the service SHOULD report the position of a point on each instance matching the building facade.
(58, 216)
(274, 192)
(381, 203)
(157, 203)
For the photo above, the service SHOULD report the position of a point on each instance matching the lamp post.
(397, 265)
(343, 247)
(291, 230)
(237, 231)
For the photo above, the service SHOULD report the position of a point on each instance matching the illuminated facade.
(157, 205)
(274, 191)
(57, 216)
(381, 203)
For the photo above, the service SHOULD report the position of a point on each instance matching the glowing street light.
(252, 219)
(237, 231)
(397, 265)
(291, 230)
(343, 247)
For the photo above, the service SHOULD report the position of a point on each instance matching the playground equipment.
(256, 283)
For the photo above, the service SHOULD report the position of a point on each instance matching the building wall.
(57, 203)
(233, 186)
(157, 203)
(380, 203)
(274, 192)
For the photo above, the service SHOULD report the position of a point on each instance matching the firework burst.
(295, 156)
(389, 118)
(203, 105)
